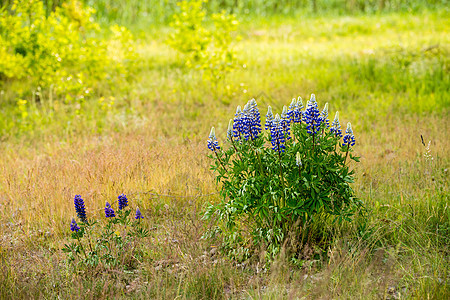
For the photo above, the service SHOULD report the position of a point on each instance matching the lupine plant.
(275, 182)
(112, 244)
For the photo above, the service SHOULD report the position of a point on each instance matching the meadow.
(387, 73)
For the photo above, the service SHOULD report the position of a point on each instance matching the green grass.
(388, 75)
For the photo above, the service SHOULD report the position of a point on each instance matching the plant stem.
(281, 178)
(314, 143)
(82, 248)
(346, 154)
(234, 146)
(223, 166)
(88, 237)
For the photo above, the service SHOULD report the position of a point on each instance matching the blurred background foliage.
(64, 51)
(159, 11)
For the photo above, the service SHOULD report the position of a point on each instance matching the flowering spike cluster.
(138, 214)
(298, 160)
(324, 116)
(349, 138)
(230, 130)
(294, 111)
(213, 145)
(255, 118)
(80, 208)
(269, 118)
(247, 122)
(237, 123)
(277, 135)
(74, 226)
(285, 122)
(109, 212)
(298, 111)
(311, 116)
(123, 201)
(336, 126)
(291, 110)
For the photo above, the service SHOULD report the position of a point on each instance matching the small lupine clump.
(100, 252)
(283, 177)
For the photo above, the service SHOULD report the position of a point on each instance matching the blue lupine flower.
(349, 138)
(277, 135)
(291, 109)
(74, 226)
(269, 118)
(213, 145)
(230, 130)
(255, 118)
(79, 208)
(109, 212)
(246, 122)
(285, 122)
(298, 111)
(298, 160)
(311, 116)
(324, 116)
(335, 126)
(237, 124)
(123, 201)
(138, 214)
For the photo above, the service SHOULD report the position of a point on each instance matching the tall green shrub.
(62, 51)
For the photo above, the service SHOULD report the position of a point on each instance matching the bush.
(62, 51)
(205, 49)
(275, 182)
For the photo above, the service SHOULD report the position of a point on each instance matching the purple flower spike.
(138, 214)
(213, 144)
(80, 208)
(74, 226)
(349, 138)
(277, 135)
(123, 201)
(109, 212)
(312, 116)
(336, 127)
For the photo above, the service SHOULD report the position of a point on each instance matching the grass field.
(388, 74)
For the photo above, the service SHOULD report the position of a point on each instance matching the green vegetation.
(143, 131)
(205, 49)
(160, 12)
(275, 184)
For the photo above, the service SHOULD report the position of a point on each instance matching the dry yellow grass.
(153, 148)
